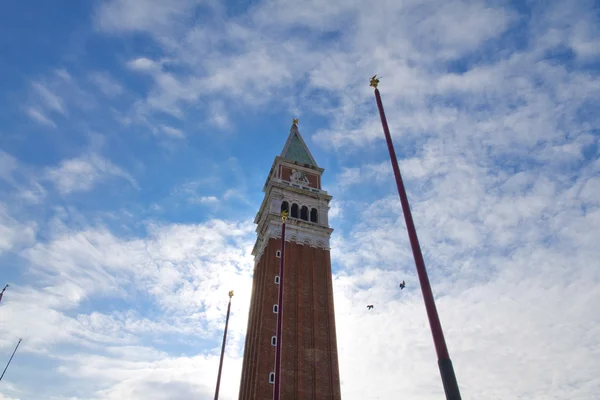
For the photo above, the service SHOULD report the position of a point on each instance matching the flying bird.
(402, 285)
(370, 306)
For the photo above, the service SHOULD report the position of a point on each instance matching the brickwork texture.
(310, 368)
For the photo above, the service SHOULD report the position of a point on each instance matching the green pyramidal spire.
(296, 150)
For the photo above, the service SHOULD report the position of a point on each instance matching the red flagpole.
(223, 347)
(445, 364)
(277, 385)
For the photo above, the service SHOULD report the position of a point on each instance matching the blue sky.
(136, 137)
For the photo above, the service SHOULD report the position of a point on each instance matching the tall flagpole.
(11, 357)
(277, 385)
(223, 347)
(444, 362)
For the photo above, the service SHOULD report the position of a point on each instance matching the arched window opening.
(285, 206)
(304, 213)
(294, 213)
(314, 216)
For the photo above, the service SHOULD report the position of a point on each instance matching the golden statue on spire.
(295, 121)
(230, 293)
(374, 81)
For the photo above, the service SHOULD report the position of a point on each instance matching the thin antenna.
(11, 357)
(223, 347)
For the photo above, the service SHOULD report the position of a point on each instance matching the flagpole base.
(449, 379)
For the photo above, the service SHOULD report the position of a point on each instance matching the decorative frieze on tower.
(309, 349)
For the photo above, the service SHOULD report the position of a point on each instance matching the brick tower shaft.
(309, 368)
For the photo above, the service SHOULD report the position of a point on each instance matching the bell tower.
(309, 359)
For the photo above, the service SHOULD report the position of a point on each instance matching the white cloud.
(182, 255)
(502, 291)
(335, 211)
(572, 27)
(174, 272)
(208, 199)
(106, 84)
(14, 233)
(174, 132)
(160, 377)
(212, 200)
(584, 40)
(235, 59)
(39, 117)
(218, 116)
(142, 64)
(360, 175)
(141, 15)
(8, 164)
(440, 33)
(63, 74)
(33, 194)
(22, 181)
(234, 193)
(57, 93)
(82, 173)
(50, 100)
(168, 90)
(194, 192)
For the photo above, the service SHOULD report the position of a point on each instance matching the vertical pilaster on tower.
(309, 362)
